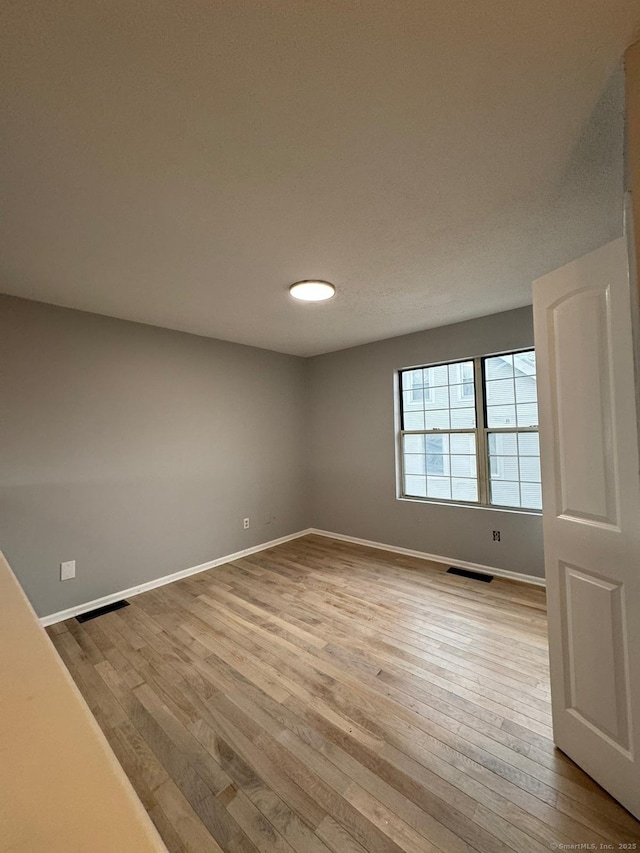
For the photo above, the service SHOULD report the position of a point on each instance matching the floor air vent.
(465, 573)
(100, 611)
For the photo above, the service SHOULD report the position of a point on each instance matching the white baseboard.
(176, 576)
(435, 558)
(52, 618)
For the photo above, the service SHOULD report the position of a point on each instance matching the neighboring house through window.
(420, 388)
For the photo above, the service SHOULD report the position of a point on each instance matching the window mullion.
(481, 435)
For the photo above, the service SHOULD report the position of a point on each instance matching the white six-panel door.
(591, 499)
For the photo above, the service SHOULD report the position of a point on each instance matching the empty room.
(319, 426)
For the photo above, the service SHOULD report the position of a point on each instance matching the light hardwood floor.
(322, 696)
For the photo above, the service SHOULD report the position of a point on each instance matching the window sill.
(432, 502)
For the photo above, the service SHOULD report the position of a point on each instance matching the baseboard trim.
(435, 558)
(52, 618)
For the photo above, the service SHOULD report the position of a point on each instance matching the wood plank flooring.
(322, 696)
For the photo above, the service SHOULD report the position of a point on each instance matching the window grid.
(517, 481)
(523, 480)
(486, 482)
(447, 471)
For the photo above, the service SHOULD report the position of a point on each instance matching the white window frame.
(481, 431)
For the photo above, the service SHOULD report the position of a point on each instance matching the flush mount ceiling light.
(312, 291)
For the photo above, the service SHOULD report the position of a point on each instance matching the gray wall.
(352, 449)
(137, 451)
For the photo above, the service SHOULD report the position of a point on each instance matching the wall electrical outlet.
(496, 535)
(67, 570)
(245, 523)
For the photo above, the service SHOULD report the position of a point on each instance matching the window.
(469, 432)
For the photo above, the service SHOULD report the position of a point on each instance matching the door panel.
(602, 703)
(580, 367)
(591, 500)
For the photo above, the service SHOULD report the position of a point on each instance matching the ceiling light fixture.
(312, 291)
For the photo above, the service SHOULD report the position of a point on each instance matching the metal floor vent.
(100, 611)
(465, 573)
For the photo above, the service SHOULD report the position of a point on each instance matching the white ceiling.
(181, 162)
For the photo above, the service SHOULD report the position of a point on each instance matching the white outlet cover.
(67, 570)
